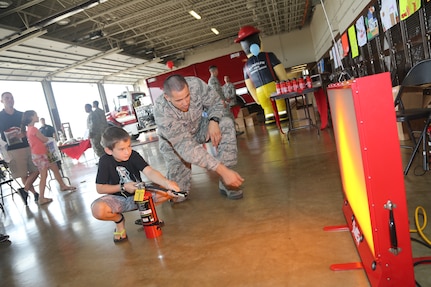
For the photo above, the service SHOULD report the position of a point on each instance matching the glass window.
(27, 96)
(71, 99)
(112, 91)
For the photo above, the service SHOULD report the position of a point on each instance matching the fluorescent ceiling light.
(5, 4)
(194, 14)
(63, 22)
(215, 31)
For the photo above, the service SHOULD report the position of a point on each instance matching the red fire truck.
(133, 112)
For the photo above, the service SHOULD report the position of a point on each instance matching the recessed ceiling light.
(5, 4)
(194, 14)
(215, 31)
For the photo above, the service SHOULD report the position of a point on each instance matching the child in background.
(117, 175)
(39, 155)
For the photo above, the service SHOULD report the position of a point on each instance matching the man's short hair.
(174, 83)
(113, 135)
(5, 93)
(212, 68)
(96, 103)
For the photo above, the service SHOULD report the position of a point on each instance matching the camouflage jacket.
(182, 130)
(214, 83)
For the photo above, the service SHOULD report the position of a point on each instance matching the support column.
(52, 106)
(103, 97)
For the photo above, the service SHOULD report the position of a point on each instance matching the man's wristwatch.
(215, 119)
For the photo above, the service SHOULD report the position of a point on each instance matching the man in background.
(100, 113)
(96, 125)
(46, 130)
(214, 83)
(21, 164)
(229, 92)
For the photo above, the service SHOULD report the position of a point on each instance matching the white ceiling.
(136, 37)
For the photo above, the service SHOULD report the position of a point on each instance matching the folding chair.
(419, 75)
(6, 179)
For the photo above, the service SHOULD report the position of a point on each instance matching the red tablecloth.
(75, 150)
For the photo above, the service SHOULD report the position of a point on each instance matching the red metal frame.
(386, 256)
(231, 65)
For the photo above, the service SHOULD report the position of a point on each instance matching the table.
(75, 150)
(322, 107)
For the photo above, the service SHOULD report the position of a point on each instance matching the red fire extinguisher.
(278, 87)
(294, 85)
(308, 81)
(147, 210)
(289, 86)
(301, 84)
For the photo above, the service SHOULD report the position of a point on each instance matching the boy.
(117, 175)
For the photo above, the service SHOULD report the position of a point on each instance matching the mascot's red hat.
(246, 31)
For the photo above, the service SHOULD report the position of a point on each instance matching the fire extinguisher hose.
(421, 227)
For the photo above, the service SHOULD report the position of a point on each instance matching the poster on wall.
(361, 33)
(408, 7)
(334, 54)
(389, 14)
(371, 23)
(353, 41)
(345, 45)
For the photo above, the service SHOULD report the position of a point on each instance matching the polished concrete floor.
(272, 237)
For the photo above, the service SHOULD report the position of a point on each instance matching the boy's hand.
(130, 187)
(172, 185)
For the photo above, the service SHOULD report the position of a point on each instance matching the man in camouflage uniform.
(96, 125)
(214, 83)
(229, 92)
(187, 115)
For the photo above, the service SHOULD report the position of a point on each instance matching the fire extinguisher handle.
(153, 188)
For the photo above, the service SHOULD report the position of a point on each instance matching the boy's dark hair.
(112, 135)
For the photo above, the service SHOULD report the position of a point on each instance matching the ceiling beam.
(155, 60)
(83, 62)
(19, 38)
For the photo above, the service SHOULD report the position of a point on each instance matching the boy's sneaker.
(23, 194)
(230, 193)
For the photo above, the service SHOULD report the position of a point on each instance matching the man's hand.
(214, 133)
(230, 177)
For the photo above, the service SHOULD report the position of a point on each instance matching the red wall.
(231, 65)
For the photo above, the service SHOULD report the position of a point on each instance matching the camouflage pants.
(97, 147)
(181, 171)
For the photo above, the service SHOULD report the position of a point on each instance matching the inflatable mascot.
(261, 72)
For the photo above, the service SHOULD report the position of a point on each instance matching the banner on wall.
(361, 33)
(389, 14)
(408, 7)
(371, 23)
(353, 41)
(345, 45)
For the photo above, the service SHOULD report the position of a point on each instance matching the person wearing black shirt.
(46, 130)
(21, 164)
(119, 171)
